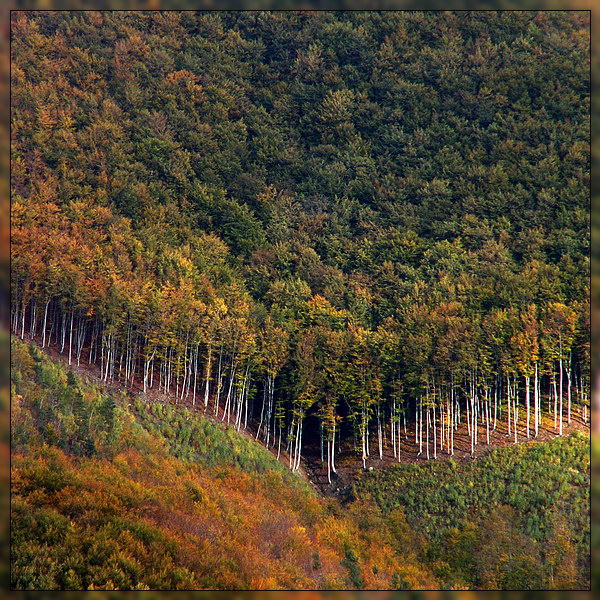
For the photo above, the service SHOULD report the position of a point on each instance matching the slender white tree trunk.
(555, 399)
(508, 400)
(515, 409)
(23, 320)
(393, 426)
(536, 401)
(495, 406)
(527, 402)
(44, 326)
(333, 451)
(398, 437)
(379, 434)
(434, 434)
(487, 417)
(328, 461)
(427, 430)
(560, 410)
(569, 374)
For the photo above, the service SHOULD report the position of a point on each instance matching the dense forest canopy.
(354, 218)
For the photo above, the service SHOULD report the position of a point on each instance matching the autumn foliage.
(131, 515)
(241, 208)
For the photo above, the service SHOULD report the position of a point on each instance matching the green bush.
(455, 505)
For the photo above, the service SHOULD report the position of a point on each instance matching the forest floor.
(348, 461)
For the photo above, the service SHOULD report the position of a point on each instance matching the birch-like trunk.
(569, 375)
(560, 396)
(44, 325)
(527, 402)
(536, 401)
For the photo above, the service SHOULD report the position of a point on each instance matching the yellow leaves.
(154, 515)
(320, 308)
(18, 213)
(559, 324)
(186, 266)
(337, 105)
(299, 531)
(218, 307)
(416, 577)
(65, 119)
(46, 118)
(186, 77)
(274, 346)
(264, 583)
(188, 82)
(137, 46)
(40, 210)
(334, 532)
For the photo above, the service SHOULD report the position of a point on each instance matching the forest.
(318, 227)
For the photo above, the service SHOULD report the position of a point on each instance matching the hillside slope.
(518, 518)
(109, 493)
(105, 498)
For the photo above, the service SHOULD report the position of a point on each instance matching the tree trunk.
(515, 409)
(262, 410)
(427, 430)
(44, 325)
(527, 402)
(328, 456)
(536, 401)
(207, 380)
(393, 426)
(555, 399)
(569, 375)
(333, 450)
(219, 381)
(398, 436)
(560, 396)
(487, 416)
(508, 400)
(364, 439)
(434, 434)
(495, 406)
(379, 434)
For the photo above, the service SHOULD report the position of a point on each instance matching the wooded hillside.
(321, 224)
(109, 492)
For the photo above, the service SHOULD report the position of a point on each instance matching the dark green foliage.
(399, 583)
(364, 119)
(350, 561)
(56, 409)
(50, 551)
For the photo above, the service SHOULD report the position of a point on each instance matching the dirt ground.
(348, 461)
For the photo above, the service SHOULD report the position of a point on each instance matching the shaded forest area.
(345, 220)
